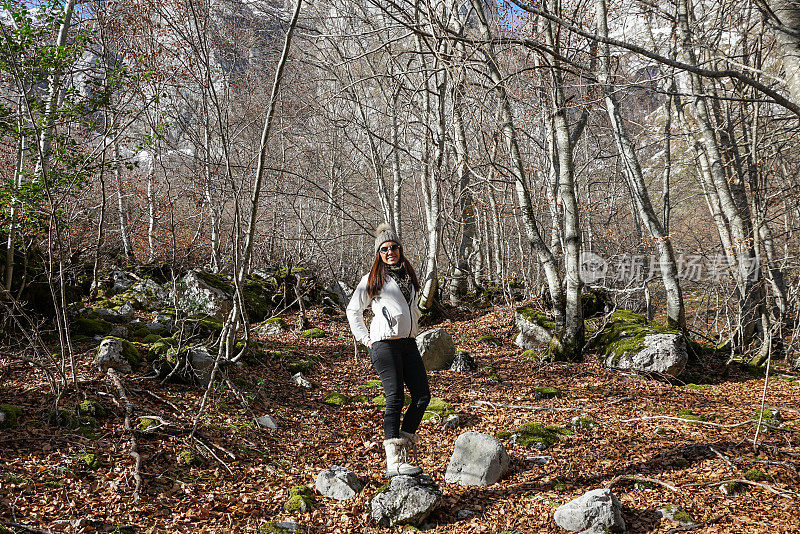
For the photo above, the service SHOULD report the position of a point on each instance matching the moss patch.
(360, 399)
(189, 458)
(335, 399)
(91, 460)
(535, 435)
(380, 401)
(677, 514)
(146, 422)
(756, 475)
(92, 408)
(314, 333)
(438, 408)
(11, 415)
(547, 392)
(301, 499)
(91, 325)
(369, 385)
(66, 418)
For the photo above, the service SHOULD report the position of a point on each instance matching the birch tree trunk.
(676, 315)
(517, 167)
(787, 32)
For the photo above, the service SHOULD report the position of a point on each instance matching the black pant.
(399, 363)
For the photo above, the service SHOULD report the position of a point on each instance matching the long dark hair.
(377, 275)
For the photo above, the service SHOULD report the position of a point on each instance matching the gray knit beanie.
(385, 233)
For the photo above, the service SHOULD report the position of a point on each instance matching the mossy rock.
(91, 460)
(301, 499)
(151, 338)
(558, 485)
(380, 401)
(9, 415)
(314, 333)
(490, 341)
(370, 384)
(623, 336)
(732, 488)
(91, 325)
(360, 399)
(335, 399)
(547, 392)
(330, 311)
(756, 475)
(92, 408)
(129, 351)
(677, 514)
(66, 418)
(301, 366)
(535, 435)
(189, 458)
(438, 409)
(536, 316)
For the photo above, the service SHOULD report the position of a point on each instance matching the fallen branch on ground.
(693, 421)
(137, 476)
(635, 478)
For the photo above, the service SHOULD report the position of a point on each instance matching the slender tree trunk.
(669, 271)
(517, 167)
(786, 19)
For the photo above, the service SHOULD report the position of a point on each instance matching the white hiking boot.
(397, 458)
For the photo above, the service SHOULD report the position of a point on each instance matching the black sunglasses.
(384, 250)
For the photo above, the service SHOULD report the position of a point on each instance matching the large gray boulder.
(660, 353)
(202, 363)
(477, 460)
(201, 293)
(437, 349)
(596, 512)
(407, 501)
(338, 483)
(534, 328)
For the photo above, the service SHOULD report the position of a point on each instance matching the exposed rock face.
(271, 327)
(407, 501)
(477, 460)
(338, 483)
(660, 353)
(596, 512)
(629, 341)
(148, 295)
(534, 328)
(267, 421)
(114, 354)
(202, 293)
(437, 349)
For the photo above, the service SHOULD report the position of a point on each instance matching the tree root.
(134, 452)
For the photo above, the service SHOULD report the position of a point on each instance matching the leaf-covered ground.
(45, 480)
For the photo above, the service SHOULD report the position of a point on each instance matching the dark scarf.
(400, 275)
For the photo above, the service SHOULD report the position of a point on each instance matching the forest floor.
(44, 480)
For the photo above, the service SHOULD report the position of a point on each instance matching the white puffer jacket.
(394, 317)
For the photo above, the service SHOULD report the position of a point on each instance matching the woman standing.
(392, 288)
